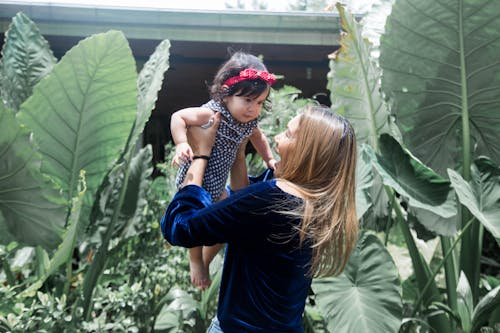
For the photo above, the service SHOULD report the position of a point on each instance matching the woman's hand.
(202, 139)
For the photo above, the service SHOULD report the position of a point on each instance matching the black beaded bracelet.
(205, 157)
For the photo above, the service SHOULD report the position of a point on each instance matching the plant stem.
(69, 272)
(436, 271)
(439, 322)
(451, 277)
(471, 242)
(101, 257)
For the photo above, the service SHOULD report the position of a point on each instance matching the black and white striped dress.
(230, 135)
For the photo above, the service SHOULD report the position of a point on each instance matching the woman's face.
(285, 140)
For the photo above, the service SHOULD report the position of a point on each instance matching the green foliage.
(82, 113)
(442, 81)
(32, 212)
(364, 181)
(422, 188)
(45, 313)
(365, 292)
(26, 59)
(482, 194)
(183, 312)
(439, 87)
(85, 115)
(354, 84)
(112, 272)
(63, 253)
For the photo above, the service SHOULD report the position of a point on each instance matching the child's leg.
(200, 258)
(199, 271)
(238, 180)
(209, 252)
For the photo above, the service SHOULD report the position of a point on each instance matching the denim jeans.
(214, 326)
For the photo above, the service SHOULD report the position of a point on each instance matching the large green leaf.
(440, 69)
(64, 252)
(26, 59)
(354, 84)
(139, 182)
(31, 205)
(367, 296)
(364, 181)
(482, 194)
(489, 303)
(421, 186)
(465, 304)
(149, 83)
(82, 113)
(179, 306)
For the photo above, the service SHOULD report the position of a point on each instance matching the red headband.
(251, 74)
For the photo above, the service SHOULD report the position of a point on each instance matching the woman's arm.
(244, 218)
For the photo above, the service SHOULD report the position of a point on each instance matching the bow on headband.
(251, 74)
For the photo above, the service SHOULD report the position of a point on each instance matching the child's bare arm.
(261, 145)
(238, 178)
(179, 123)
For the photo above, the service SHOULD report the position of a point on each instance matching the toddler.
(239, 93)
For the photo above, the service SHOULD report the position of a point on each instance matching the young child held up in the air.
(239, 93)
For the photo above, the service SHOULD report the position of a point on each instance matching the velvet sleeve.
(184, 205)
(192, 220)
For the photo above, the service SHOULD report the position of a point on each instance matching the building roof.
(292, 28)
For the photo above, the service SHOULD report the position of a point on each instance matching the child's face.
(245, 108)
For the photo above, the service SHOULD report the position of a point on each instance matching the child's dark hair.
(238, 62)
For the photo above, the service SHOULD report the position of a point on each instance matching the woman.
(279, 233)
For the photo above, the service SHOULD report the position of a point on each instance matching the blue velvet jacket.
(264, 284)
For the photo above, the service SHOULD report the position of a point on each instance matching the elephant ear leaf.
(33, 210)
(26, 59)
(482, 194)
(353, 82)
(64, 252)
(440, 71)
(82, 113)
(364, 181)
(138, 181)
(421, 186)
(368, 290)
(485, 308)
(149, 83)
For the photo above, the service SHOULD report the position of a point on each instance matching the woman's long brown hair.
(322, 167)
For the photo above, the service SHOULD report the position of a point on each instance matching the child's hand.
(183, 153)
(271, 164)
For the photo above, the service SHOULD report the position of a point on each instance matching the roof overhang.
(295, 28)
